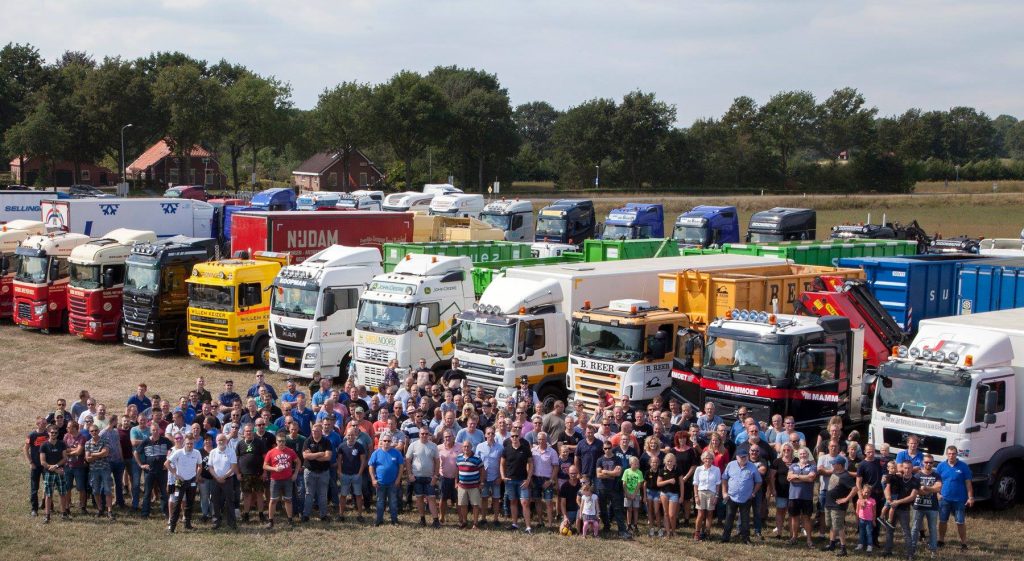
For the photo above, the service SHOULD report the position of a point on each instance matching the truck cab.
(781, 224)
(810, 368)
(624, 348)
(635, 221)
(359, 200)
(97, 284)
(956, 385)
(514, 217)
(11, 236)
(41, 282)
(318, 200)
(409, 314)
(156, 292)
(707, 226)
(229, 308)
(278, 198)
(313, 311)
(515, 330)
(568, 221)
(457, 205)
(409, 201)
(440, 189)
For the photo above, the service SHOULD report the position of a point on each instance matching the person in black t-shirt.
(317, 456)
(842, 490)
(52, 459)
(33, 441)
(926, 504)
(517, 471)
(250, 451)
(567, 504)
(778, 487)
(900, 492)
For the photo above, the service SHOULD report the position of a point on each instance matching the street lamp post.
(123, 178)
(597, 176)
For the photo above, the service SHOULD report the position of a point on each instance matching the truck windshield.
(347, 203)
(85, 276)
(607, 342)
(495, 340)
(747, 357)
(451, 212)
(209, 297)
(294, 302)
(13, 262)
(32, 269)
(690, 234)
(384, 317)
(617, 232)
(553, 227)
(499, 221)
(142, 279)
(760, 237)
(915, 391)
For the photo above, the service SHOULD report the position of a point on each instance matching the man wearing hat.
(740, 481)
(842, 489)
(525, 395)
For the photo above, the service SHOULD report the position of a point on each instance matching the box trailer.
(303, 234)
(165, 217)
(23, 205)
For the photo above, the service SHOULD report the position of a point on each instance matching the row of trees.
(460, 122)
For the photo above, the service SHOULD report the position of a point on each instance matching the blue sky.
(696, 55)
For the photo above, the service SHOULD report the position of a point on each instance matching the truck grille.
(77, 323)
(380, 356)
(372, 376)
(289, 333)
(289, 357)
(727, 404)
(24, 310)
(76, 305)
(136, 315)
(482, 375)
(213, 327)
(587, 382)
(898, 439)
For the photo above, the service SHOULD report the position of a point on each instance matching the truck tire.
(548, 395)
(1004, 490)
(261, 353)
(181, 342)
(343, 370)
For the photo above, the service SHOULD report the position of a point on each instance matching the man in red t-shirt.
(282, 463)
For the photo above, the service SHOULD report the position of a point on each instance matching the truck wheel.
(1004, 487)
(548, 395)
(261, 354)
(181, 342)
(343, 370)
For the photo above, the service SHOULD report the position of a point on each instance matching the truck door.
(819, 372)
(688, 356)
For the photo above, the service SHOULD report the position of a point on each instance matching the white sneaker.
(870, 549)
(860, 547)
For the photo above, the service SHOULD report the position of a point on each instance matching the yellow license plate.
(135, 334)
(290, 360)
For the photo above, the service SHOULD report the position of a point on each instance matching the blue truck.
(568, 221)
(278, 198)
(635, 221)
(707, 226)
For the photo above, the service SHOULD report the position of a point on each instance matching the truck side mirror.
(54, 269)
(5, 265)
(252, 295)
(655, 346)
(424, 319)
(991, 402)
(330, 306)
(108, 278)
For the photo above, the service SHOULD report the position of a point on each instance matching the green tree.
(534, 123)
(844, 123)
(1002, 125)
(22, 72)
(968, 135)
(342, 122)
(255, 113)
(581, 139)
(409, 114)
(194, 104)
(40, 134)
(118, 93)
(640, 127)
(787, 121)
(1014, 139)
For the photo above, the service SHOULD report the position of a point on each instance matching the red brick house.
(63, 173)
(160, 166)
(323, 172)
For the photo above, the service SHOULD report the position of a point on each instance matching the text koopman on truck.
(959, 384)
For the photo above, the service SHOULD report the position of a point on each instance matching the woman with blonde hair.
(668, 482)
(707, 481)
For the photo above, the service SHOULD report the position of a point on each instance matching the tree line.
(460, 122)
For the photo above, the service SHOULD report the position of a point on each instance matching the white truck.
(409, 314)
(316, 200)
(522, 323)
(361, 200)
(957, 385)
(440, 188)
(457, 205)
(165, 217)
(313, 310)
(408, 201)
(514, 217)
(23, 205)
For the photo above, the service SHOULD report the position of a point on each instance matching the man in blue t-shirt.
(140, 400)
(912, 454)
(957, 494)
(385, 472)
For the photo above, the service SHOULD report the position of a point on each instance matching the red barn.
(323, 172)
(63, 173)
(160, 165)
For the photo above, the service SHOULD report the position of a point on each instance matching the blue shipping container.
(912, 288)
(987, 285)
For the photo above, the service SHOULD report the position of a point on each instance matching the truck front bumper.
(223, 351)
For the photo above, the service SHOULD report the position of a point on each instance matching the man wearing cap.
(842, 489)
(525, 396)
(282, 463)
(740, 481)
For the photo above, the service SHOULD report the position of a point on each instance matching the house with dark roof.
(159, 165)
(323, 172)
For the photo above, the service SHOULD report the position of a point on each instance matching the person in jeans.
(423, 468)
(317, 456)
(183, 465)
(352, 457)
(801, 496)
(33, 442)
(137, 435)
(490, 452)
(740, 482)
(97, 455)
(866, 519)
(386, 475)
(151, 456)
(516, 469)
(900, 492)
(957, 494)
(926, 504)
(609, 491)
(223, 466)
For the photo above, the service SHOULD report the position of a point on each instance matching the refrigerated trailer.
(165, 217)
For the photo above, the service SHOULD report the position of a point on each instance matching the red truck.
(304, 233)
(11, 235)
(41, 283)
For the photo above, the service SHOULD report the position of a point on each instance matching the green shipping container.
(478, 252)
(826, 253)
(614, 250)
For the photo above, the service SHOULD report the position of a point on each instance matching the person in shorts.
(52, 458)
(801, 496)
(707, 479)
(568, 506)
(423, 468)
(653, 496)
(282, 463)
(957, 494)
(633, 492)
(471, 473)
(842, 490)
(352, 458)
(250, 453)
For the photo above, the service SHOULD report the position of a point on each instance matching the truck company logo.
(109, 209)
(169, 208)
(391, 287)
(301, 239)
(26, 291)
(375, 339)
(22, 208)
(815, 396)
(737, 389)
(654, 382)
(657, 367)
(55, 218)
(597, 366)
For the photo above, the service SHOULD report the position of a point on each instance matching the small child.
(888, 513)
(865, 519)
(449, 403)
(588, 508)
(632, 489)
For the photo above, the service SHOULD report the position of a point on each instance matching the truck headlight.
(150, 336)
(191, 341)
(39, 309)
(229, 348)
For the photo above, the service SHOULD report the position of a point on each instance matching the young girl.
(588, 508)
(885, 517)
(865, 519)
(669, 484)
(632, 489)
(653, 496)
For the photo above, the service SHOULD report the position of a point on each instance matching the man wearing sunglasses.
(517, 471)
(386, 475)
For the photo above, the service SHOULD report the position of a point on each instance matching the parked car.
(87, 191)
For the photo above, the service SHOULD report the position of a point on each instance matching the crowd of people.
(454, 455)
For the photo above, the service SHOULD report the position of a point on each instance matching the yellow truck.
(229, 308)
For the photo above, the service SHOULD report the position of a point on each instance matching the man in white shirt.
(183, 466)
(223, 466)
